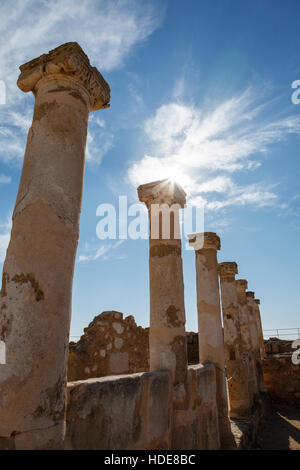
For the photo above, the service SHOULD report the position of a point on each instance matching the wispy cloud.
(204, 148)
(97, 131)
(107, 30)
(104, 251)
(14, 126)
(5, 179)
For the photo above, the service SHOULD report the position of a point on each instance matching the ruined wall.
(282, 378)
(135, 412)
(276, 346)
(110, 345)
(125, 412)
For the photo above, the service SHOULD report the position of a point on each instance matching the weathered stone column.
(210, 331)
(167, 312)
(168, 350)
(255, 341)
(236, 365)
(260, 329)
(38, 270)
(242, 285)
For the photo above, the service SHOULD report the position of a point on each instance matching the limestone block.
(120, 412)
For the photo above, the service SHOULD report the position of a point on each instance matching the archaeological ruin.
(120, 386)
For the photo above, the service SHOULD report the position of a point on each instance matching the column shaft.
(38, 270)
(260, 329)
(168, 348)
(239, 400)
(167, 338)
(255, 341)
(246, 338)
(210, 331)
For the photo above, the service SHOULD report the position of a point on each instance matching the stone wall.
(110, 345)
(123, 412)
(282, 378)
(198, 426)
(276, 346)
(135, 412)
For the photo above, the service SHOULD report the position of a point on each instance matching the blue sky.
(201, 92)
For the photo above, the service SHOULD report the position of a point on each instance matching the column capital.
(242, 284)
(257, 301)
(204, 240)
(250, 295)
(227, 269)
(162, 192)
(67, 61)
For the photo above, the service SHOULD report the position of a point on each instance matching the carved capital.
(250, 295)
(68, 61)
(162, 192)
(205, 240)
(227, 269)
(242, 285)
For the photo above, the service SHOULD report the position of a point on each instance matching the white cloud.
(92, 253)
(95, 153)
(253, 194)
(203, 148)
(108, 31)
(5, 179)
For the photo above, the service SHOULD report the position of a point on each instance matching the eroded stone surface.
(281, 375)
(236, 363)
(259, 328)
(126, 412)
(167, 341)
(135, 412)
(110, 345)
(247, 349)
(254, 330)
(35, 304)
(167, 312)
(197, 426)
(211, 343)
(70, 62)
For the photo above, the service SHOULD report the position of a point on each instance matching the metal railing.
(284, 333)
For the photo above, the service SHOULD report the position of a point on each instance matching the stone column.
(255, 341)
(167, 339)
(260, 329)
(167, 313)
(38, 270)
(236, 366)
(210, 331)
(242, 285)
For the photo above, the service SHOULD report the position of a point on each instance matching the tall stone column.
(239, 400)
(210, 331)
(255, 341)
(168, 349)
(38, 270)
(242, 285)
(260, 329)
